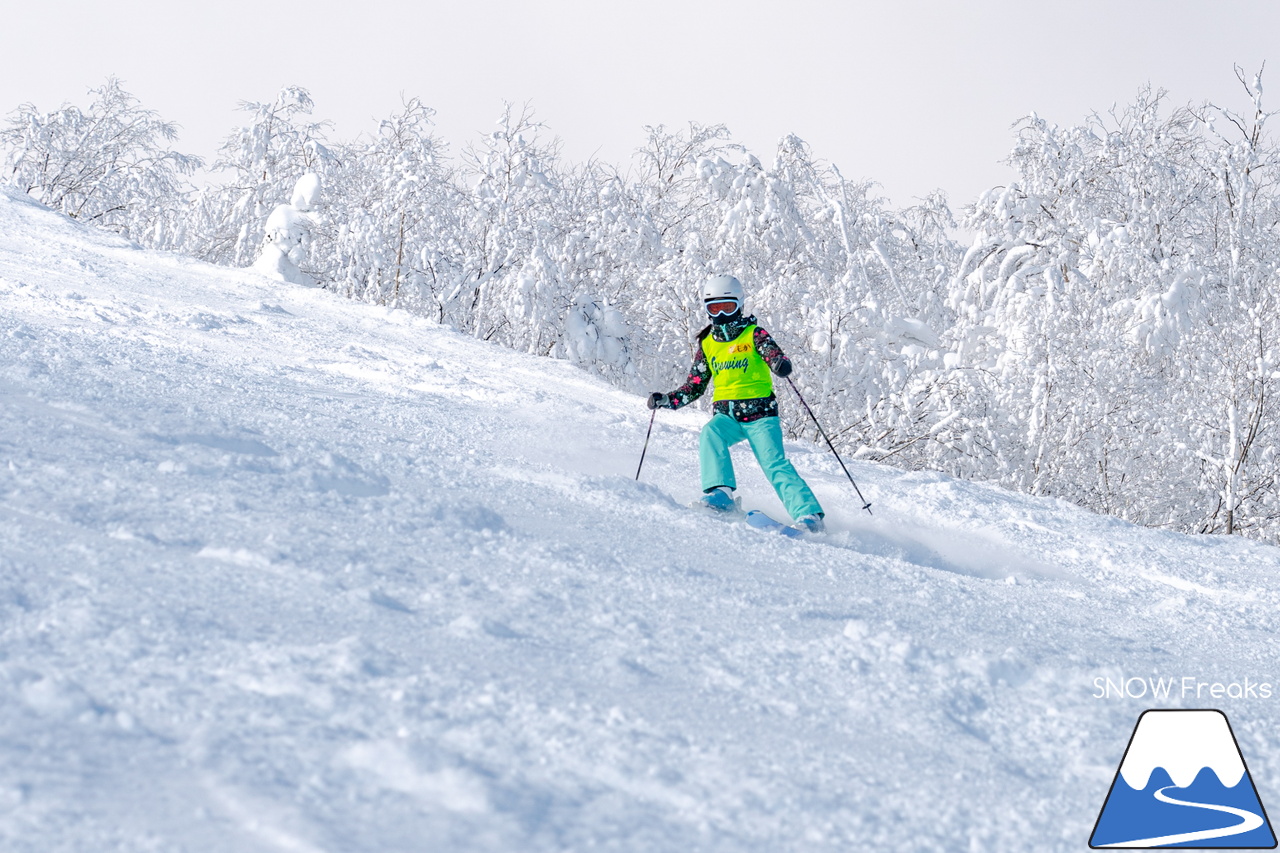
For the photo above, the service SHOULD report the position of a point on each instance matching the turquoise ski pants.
(765, 436)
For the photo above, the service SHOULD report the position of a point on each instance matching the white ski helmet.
(721, 287)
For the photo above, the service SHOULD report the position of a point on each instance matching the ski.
(754, 518)
(763, 521)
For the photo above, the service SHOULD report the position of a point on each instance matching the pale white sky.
(914, 94)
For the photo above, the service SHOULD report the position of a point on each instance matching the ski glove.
(782, 368)
(659, 400)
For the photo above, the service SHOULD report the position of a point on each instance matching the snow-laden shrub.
(109, 164)
(288, 233)
(1116, 317)
(264, 160)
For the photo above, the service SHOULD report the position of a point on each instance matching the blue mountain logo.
(1183, 783)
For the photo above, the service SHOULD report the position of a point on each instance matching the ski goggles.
(718, 307)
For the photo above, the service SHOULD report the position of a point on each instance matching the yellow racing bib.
(737, 370)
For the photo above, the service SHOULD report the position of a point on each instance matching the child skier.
(738, 356)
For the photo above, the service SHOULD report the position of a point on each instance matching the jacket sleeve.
(695, 385)
(772, 353)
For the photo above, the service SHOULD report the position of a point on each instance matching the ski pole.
(866, 504)
(646, 443)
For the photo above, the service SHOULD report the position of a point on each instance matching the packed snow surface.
(283, 572)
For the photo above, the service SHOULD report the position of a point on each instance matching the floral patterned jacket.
(699, 378)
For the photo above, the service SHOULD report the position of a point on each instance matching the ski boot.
(719, 499)
(811, 523)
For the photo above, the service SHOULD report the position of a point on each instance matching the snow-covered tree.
(1115, 315)
(109, 164)
(392, 206)
(265, 158)
(288, 233)
(850, 289)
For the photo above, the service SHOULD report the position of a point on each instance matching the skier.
(738, 356)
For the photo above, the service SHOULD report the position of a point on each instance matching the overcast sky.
(914, 95)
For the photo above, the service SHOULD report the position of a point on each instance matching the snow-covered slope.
(279, 571)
